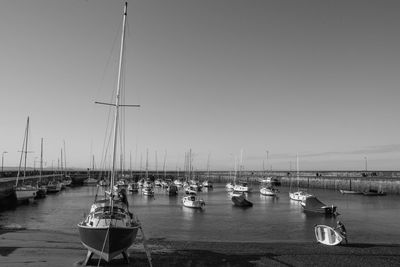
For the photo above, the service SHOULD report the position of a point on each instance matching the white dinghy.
(327, 235)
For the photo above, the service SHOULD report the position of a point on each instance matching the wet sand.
(25, 247)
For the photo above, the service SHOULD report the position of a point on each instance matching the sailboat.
(241, 185)
(350, 191)
(24, 192)
(266, 186)
(298, 195)
(110, 228)
(42, 189)
(67, 179)
(207, 183)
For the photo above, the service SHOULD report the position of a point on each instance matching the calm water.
(367, 219)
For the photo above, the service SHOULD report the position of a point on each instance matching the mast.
(147, 164)
(117, 99)
(61, 170)
(297, 170)
(156, 164)
(65, 159)
(26, 145)
(41, 159)
(208, 166)
(22, 154)
(130, 163)
(165, 161)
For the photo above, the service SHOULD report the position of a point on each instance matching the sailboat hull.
(350, 192)
(107, 242)
(25, 194)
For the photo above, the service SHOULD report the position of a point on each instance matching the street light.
(2, 160)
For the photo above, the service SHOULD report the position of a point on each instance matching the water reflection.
(268, 199)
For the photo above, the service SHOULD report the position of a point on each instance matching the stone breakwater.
(388, 182)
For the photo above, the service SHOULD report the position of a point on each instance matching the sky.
(317, 78)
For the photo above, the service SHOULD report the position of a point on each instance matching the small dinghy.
(241, 201)
(327, 235)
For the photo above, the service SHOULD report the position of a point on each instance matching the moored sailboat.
(299, 195)
(110, 228)
(350, 191)
(24, 192)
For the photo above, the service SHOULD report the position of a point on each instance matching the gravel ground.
(22, 247)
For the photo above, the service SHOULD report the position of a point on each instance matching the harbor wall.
(387, 181)
(389, 184)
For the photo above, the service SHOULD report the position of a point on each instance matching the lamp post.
(366, 164)
(2, 160)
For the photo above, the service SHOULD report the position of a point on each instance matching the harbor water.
(271, 219)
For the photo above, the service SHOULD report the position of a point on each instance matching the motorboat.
(241, 186)
(193, 201)
(313, 204)
(241, 201)
(299, 195)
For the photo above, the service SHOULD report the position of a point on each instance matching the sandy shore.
(45, 248)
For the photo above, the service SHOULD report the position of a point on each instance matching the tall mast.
(147, 163)
(22, 154)
(156, 164)
(65, 159)
(61, 170)
(165, 161)
(297, 170)
(41, 158)
(26, 145)
(130, 162)
(117, 97)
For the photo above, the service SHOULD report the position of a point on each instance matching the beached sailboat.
(24, 192)
(298, 195)
(110, 228)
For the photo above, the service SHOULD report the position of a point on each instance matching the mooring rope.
(104, 244)
(146, 249)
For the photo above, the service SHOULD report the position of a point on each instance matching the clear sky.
(318, 78)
